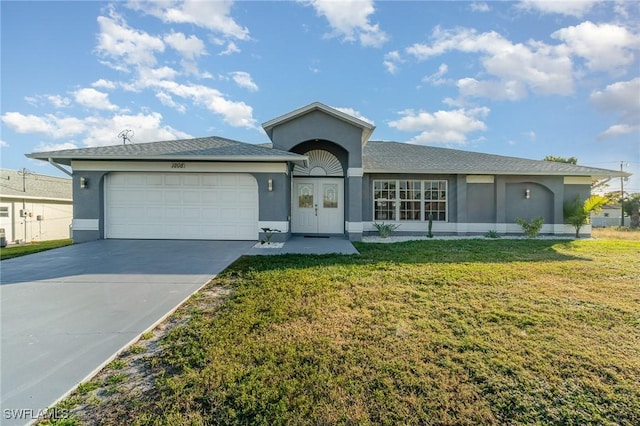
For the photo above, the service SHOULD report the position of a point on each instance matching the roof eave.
(501, 173)
(66, 160)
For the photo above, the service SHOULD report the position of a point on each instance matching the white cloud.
(44, 146)
(237, 114)
(55, 100)
(575, 8)
(622, 98)
(243, 79)
(544, 69)
(212, 15)
(350, 19)
(48, 124)
(391, 61)
(189, 47)
(511, 90)
(605, 47)
(58, 101)
(104, 84)
(479, 7)
(92, 98)
(442, 126)
(436, 78)
(3, 144)
(231, 48)
(619, 130)
(94, 130)
(122, 46)
(354, 113)
(166, 100)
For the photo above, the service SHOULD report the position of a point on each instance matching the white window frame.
(397, 200)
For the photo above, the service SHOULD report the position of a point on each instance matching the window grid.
(410, 200)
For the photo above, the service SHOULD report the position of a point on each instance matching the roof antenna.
(126, 135)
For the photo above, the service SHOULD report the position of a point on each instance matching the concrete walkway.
(65, 313)
(305, 245)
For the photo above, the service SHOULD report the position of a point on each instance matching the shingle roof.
(205, 149)
(36, 186)
(396, 157)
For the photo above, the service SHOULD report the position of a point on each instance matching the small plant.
(492, 234)
(531, 229)
(577, 213)
(84, 388)
(268, 235)
(430, 226)
(115, 379)
(146, 336)
(116, 364)
(385, 229)
(135, 349)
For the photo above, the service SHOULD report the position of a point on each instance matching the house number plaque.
(178, 165)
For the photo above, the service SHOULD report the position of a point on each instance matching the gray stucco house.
(321, 175)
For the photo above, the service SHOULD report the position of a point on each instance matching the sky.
(525, 79)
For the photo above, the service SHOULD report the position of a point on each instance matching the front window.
(410, 200)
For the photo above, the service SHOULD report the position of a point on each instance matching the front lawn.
(430, 332)
(35, 247)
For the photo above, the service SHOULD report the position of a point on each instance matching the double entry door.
(317, 206)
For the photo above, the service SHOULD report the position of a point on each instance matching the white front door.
(5, 221)
(318, 206)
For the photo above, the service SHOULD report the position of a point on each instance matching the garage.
(186, 206)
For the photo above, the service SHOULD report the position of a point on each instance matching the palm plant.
(577, 213)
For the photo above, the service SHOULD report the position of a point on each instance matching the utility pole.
(24, 172)
(621, 196)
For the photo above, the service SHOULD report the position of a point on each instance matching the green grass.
(23, 250)
(429, 332)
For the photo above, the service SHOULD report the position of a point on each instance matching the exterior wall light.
(84, 182)
(527, 193)
(270, 185)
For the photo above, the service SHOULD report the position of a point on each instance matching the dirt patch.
(131, 374)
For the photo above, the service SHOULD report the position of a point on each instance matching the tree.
(570, 160)
(631, 207)
(577, 213)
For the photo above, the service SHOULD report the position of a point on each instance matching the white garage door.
(199, 206)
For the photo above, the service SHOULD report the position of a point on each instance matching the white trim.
(478, 228)
(355, 172)
(85, 225)
(19, 198)
(480, 178)
(354, 227)
(184, 167)
(282, 226)
(577, 180)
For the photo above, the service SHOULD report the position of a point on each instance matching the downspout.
(59, 167)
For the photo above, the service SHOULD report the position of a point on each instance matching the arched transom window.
(321, 163)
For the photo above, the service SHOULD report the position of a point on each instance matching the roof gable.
(367, 128)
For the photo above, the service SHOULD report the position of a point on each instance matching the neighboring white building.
(608, 216)
(34, 207)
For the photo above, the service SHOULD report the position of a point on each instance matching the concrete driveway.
(66, 312)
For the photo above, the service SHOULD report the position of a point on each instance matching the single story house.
(320, 175)
(609, 216)
(34, 207)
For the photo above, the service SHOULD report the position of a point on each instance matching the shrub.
(577, 213)
(385, 229)
(531, 229)
(492, 234)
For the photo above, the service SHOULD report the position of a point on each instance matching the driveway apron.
(65, 313)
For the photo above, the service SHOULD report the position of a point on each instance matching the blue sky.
(525, 79)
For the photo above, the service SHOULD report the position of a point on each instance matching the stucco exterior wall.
(319, 126)
(46, 220)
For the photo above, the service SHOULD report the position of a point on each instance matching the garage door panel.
(181, 206)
